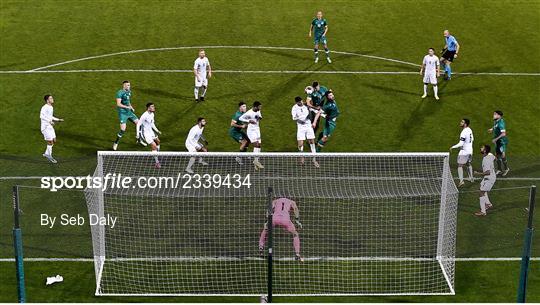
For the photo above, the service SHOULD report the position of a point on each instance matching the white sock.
(425, 89)
(190, 163)
(483, 204)
(301, 148)
(256, 150)
(158, 147)
(196, 91)
(487, 199)
(155, 157)
(48, 151)
(200, 160)
(460, 173)
(313, 148)
(204, 91)
(470, 170)
(435, 90)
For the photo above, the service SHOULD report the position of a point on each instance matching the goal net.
(373, 224)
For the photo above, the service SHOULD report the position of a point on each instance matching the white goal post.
(372, 224)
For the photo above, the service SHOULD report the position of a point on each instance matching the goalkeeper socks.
(196, 91)
(313, 148)
(296, 244)
(327, 52)
(316, 53)
(460, 174)
(48, 150)
(119, 136)
(262, 239)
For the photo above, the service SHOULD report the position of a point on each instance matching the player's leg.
(202, 149)
(489, 205)
(120, 133)
(310, 135)
(316, 50)
(262, 238)
(289, 226)
(326, 50)
(470, 168)
(425, 89)
(460, 173)
(256, 150)
(204, 87)
(482, 199)
(155, 148)
(327, 131)
(198, 85)
(504, 160)
(300, 137)
(435, 88)
(498, 154)
(191, 149)
(48, 150)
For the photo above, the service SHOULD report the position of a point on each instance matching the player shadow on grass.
(423, 109)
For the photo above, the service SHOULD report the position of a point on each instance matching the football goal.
(372, 224)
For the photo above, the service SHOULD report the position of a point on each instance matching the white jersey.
(46, 116)
(146, 123)
(251, 115)
(195, 134)
(201, 65)
(466, 139)
(300, 114)
(432, 63)
(488, 164)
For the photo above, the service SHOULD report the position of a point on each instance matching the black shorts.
(449, 55)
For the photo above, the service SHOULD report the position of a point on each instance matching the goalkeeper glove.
(298, 223)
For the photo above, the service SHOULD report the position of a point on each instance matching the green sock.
(119, 136)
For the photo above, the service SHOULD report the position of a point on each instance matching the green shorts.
(319, 40)
(329, 128)
(500, 148)
(125, 116)
(237, 136)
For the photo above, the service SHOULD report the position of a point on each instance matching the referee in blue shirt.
(451, 50)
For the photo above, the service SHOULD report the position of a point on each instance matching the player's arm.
(457, 49)
(503, 134)
(486, 173)
(422, 67)
(437, 68)
(325, 30)
(120, 105)
(234, 123)
(246, 119)
(195, 71)
(209, 70)
(296, 211)
(203, 141)
(459, 144)
(154, 127)
(310, 29)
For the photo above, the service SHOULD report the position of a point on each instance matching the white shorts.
(430, 78)
(203, 82)
(149, 136)
(48, 133)
(486, 185)
(193, 148)
(464, 159)
(254, 135)
(305, 132)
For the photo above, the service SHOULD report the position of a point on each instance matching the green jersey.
(498, 128)
(125, 97)
(236, 117)
(318, 97)
(319, 26)
(331, 110)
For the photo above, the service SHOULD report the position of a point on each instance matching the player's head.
(242, 107)
(48, 99)
(202, 54)
(319, 15)
(497, 114)
(150, 107)
(316, 86)
(330, 95)
(446, 33)
(126, 85)
(298, 101)
(257, 106)
(485, 149)
(431, 51)
(201, 121)
(465, 122)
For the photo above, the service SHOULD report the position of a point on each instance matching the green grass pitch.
(379, 112)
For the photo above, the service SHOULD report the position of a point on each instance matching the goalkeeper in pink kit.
(281, 208)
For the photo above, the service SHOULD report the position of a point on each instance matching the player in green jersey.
(330, 112)
(126, 112)
(500, 140)
(315, 101)
(319, 27)
(236, 130)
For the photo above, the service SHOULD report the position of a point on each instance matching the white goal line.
(217, 259)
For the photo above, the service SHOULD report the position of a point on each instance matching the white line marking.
(458, 259)
(260, 72)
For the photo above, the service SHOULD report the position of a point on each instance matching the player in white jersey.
(465, 144)
(252, 117)
(300, 114)
(488, 171)
(193, 143)
(147, 131)
(430, 70)
(202, 71)
(47, 129)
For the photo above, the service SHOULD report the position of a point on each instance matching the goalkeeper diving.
(281, 217)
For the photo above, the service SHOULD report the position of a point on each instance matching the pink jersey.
(282, 206)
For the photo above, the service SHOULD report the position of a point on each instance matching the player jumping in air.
(500, 140)
(200, 67)
(330, 111)
(252, 117)
(488, 171)
(300, 114)
(235, 131)
(316, 96)
(193, 144)
(449, 53)
(47, 129)
(126, 112)
(466, 139)
(281, 217)
(146, 131)
(430, 70)
(319, 27)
